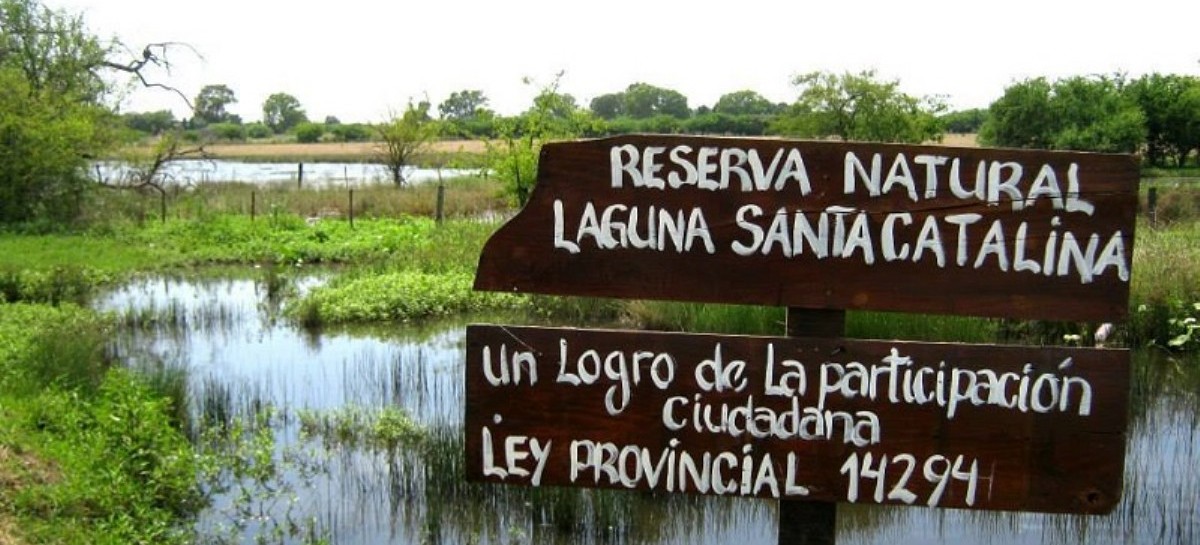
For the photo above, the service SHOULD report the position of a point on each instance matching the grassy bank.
(88, 453)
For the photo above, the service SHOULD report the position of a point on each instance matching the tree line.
(1157, 115)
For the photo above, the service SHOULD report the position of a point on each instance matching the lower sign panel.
(835, 420)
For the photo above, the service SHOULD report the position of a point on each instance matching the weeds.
(127, 472)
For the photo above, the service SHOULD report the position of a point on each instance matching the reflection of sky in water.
(367, 497)
(193, 171)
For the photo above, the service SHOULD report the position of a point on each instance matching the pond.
(240, 356)
(194, 171)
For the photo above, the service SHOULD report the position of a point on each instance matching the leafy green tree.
(744, 102)
(608, 106)
(212, 103)
(1096, 115)
(643, 100)
(465, 114)
(153, 123)
(1171, 106)
(725, 124)
(1077, 113)
(553, 116)
(462, 105)
(282, 111)
(964, 121)
(52, 111)
(1022, 117)
(402, 137)
(859, 107)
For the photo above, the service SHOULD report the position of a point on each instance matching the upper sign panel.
(983, 232)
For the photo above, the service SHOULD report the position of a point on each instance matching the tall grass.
(1166, 280)
(465, 197)
(118, 467)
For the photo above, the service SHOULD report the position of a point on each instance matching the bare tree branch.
(154, 54)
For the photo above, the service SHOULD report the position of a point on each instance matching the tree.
(465, 114)
(402, 137)
(154, 123)
(1077, 113)
(608, 106)
(553, 116)
(859, 107)
(282, 111)
(745, 102)
(1171, 106)
(55, 84)
(643, 100)
(211, 104)
(462, 105)
(1021, 117)
(964, 121)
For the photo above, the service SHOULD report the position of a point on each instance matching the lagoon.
(240, 356)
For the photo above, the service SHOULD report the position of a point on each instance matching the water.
(233, 343)
(194, 171)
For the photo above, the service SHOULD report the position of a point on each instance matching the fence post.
(299, 175)
(807, 522)
(441, 202)
(253, 204)
(1152, 206)
(351, 208)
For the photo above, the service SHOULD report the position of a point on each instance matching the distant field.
(960, 140)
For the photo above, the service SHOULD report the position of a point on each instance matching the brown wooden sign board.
(832, 420)
(826, 225)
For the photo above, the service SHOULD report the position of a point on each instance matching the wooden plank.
(827, 225)
(964, 426)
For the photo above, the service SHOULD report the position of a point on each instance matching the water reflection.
(240, 356)
(194, 171)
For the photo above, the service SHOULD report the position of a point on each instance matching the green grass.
(90, 453)
(400, 296)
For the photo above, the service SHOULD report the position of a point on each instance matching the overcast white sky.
(355, 59)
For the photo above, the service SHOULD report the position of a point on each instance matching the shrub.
(259, 130)
(308, 133)
(354, 132)
(227, 131)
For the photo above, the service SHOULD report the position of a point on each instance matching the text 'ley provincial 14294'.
(942, 425)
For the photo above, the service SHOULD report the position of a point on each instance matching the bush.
(308, 133)
(353, 132)
(227, 131)
(259, 130)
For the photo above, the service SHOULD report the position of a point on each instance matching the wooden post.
(299, 175)
(252, 205)
(441, 203)
(1152, 206)
(808, 522)
(351, 208)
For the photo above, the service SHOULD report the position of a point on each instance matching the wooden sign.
(827, 225)
(887, 422)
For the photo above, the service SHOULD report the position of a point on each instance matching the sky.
(359, 59)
